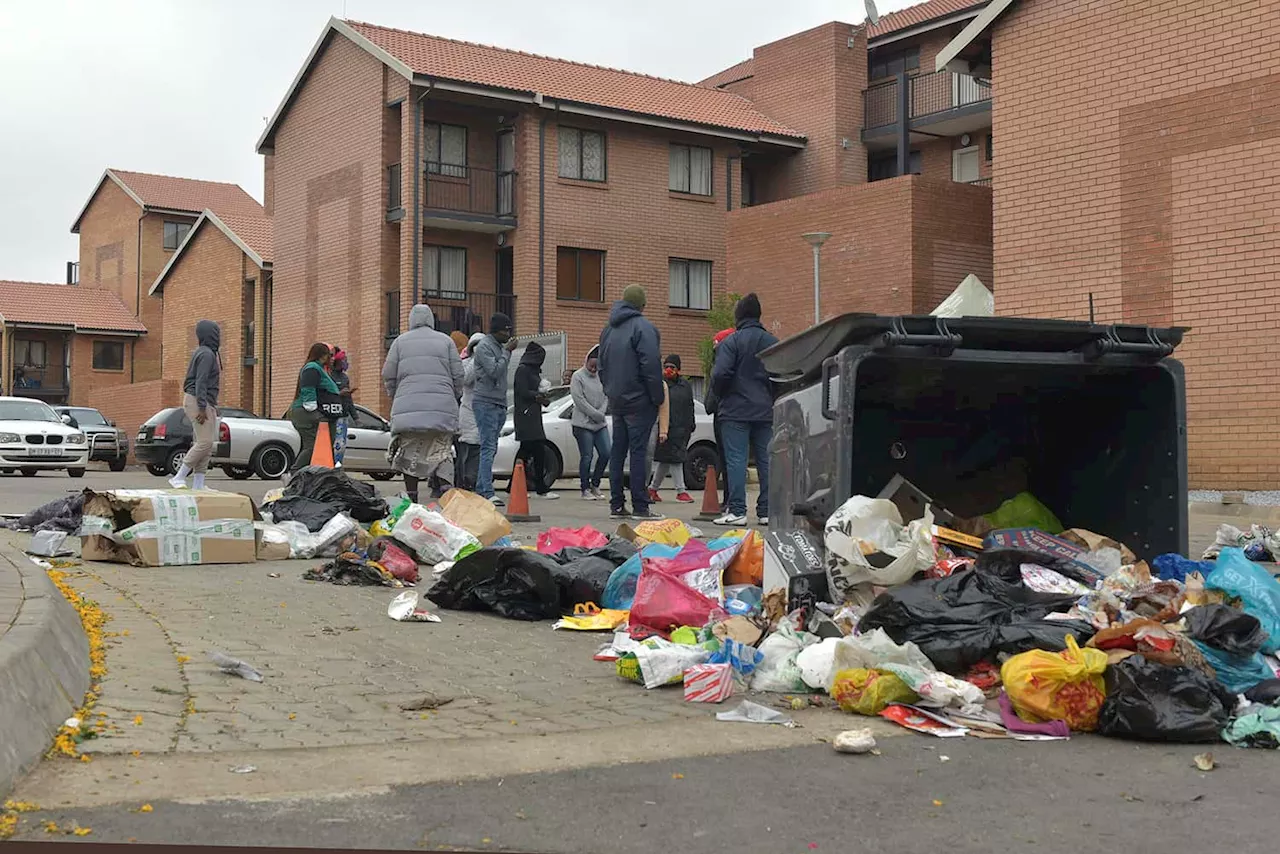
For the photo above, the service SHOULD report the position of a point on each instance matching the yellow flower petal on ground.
(137, 720)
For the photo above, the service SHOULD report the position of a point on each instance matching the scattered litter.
(243, 769)
(1204, 761)
(48, 543)
(754, 713)
(425, 704)
(235, 667)
(405, 608)
(854, 741)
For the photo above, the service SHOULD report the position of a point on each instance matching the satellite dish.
(873, 17)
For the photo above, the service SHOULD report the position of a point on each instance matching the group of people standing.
(449, 407)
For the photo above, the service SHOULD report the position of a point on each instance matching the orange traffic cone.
(518, 506)
(322, 454)
(710, 497)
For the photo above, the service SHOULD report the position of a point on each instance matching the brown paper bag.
(474, 514)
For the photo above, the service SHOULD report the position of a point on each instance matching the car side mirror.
(111, 423)
(66, 419)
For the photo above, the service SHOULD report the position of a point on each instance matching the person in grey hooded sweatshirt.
(200, 403)
(423, 377)
(590, 424)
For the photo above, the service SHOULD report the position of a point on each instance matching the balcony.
(468, 198)
(49, 383)
(940, 104)
(460, 312)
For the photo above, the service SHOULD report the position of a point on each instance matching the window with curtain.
(579, 274)
(174, 234)
(444, 272)
(582, 154)
(444, 147)
(690, 284)
(690, 170)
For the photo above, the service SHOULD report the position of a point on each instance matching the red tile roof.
(731, 74)
(189, 194)
(71, 306)
(254, 231)
(921, 13)
(560, 79)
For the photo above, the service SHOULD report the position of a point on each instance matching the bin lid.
(802, 354)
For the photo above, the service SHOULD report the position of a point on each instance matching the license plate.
(46, 452)
(142, 437)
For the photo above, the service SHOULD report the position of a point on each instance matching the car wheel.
(238, 472)
(156, 470)
(75, 472)
(174, 461)
(117, 465)
(382, 475)
(30, 472)
(695, 465)
(271, 461)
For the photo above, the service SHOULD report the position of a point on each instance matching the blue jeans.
(738, 437)
(489, 420)
(631, 437)
(589, 441)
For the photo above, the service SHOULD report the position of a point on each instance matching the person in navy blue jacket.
(745, 408)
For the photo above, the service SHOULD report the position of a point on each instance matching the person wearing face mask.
(492, 355)
(589, 425)
(338, 368)
(670, 454)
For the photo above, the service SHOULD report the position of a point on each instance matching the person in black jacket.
(529, 400)
(670, 455)
(746, 409)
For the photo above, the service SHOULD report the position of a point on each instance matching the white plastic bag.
(863, 525)
(938, 690)
(405, 609)
(815, 663)
(875, 649)
(303, 544)
(328, 538)
(778, 671)
(664, 663)
(431, 536)
(754, 713)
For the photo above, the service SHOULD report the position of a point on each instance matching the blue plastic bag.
(1259, 593)
(1237, 673)
(742, 658)
(620, 589)
(1175, 567)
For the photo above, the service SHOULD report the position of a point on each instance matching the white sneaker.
(730, 520)
(550, 496)
(177, 484)
(763, 521)
(496, 501)
(588, 495)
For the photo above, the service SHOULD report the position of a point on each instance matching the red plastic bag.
(553, 540)
(394, 560)
(663, 600)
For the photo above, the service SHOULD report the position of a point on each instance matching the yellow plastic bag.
(669, 532)
(868, 692)
(588, 617)
(1057, 686)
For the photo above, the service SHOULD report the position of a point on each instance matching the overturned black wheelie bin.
(1089, 418)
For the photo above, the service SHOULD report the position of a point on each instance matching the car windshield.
(27, 410)
(86, 416)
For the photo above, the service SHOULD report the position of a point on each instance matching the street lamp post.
(816, 239)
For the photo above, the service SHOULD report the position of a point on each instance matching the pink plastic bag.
(553, 540)
(394, 560)
(663, 600)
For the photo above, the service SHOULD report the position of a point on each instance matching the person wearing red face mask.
(670, 454)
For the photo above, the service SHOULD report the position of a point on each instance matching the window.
(889, 64)
(690, 284)
(108, 355)
(391, 301)
(29, 354)
(366, 420)
(579, 274)
(174, 234)
(988, 148)
(690, 170)
(884, 166)
(444, 272)
(445, 149)
(582, 154)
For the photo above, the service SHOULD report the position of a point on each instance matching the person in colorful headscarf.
(338, 368)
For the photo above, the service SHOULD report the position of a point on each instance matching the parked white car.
(267, 446)
(558, 425)
(34, 438)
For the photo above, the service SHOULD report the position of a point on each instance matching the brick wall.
(131, 405)
(897, 246)
(1151, 183)
(85, 379)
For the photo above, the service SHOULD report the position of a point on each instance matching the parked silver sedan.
(267, 446)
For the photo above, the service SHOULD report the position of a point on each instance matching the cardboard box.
(708, 683)
(168, 527)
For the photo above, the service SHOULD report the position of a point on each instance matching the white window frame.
(434, 267)
(679, 277)
(180, 232)
(680, 169)
(433, 150)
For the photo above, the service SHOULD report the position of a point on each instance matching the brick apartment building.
(1140, 164)
(546, 186)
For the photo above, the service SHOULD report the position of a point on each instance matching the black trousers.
(533, 452)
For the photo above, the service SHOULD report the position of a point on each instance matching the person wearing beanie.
(670, 454)
(466, 461)
(590, 425)
(745, 409)
(631, 373)
(492, 356)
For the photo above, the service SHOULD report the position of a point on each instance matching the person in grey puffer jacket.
(467, 465)
(492, 355)
(423, 377)
(589, 424)
(200, 402)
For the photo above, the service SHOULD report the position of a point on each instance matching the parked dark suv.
(165, 438)
(107, 444)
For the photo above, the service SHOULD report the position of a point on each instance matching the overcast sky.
(184, 88)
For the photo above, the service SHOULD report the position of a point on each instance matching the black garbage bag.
(515, 583)
(1007, 563)
(1266, 692)
(299, 508)
(61, 514)
(971, 616)
(1228, 629)
(581, 574)
(335, 486)
(1155, 702)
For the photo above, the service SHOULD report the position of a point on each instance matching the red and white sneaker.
(684, 498)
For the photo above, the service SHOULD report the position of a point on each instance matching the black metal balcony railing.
(393, 187)
(980, 182)
(468, 312)
(37, 380)
(929, 95)
(469, 190)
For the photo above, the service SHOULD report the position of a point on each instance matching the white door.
(964, 165)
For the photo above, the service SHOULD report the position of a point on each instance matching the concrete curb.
(44, 664)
